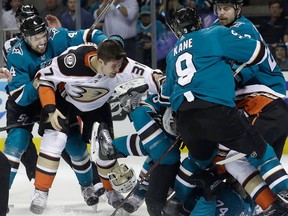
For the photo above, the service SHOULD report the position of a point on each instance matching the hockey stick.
(227, 160)
(93, 142)
(167, 18)
(97, 21)
(20, 124)
(101, 15)
(147, 175)
(239, 69)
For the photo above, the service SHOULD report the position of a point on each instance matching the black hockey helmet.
(25, 11)
(185, 20)
(235, 2)
(32, 25)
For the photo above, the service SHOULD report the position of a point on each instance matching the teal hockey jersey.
(267, 73)
(23, 63)
(195, 67)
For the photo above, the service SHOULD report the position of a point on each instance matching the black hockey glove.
(208, 183)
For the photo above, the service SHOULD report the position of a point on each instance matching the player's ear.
(101, 62)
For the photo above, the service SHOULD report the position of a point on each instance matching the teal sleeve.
(28, 96)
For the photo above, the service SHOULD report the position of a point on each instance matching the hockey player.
(29, 157)
(264, 87)
(22, 13)
(151, 140)
(268, 100)
(86, 92)
(199, 118)
(261, 90)
(148, 120)
(38, 44)
(4, 186)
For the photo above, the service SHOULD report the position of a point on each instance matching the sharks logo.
(52, 33)
(17, 49)
(86, 93)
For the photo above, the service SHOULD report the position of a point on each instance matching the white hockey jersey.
(71, 75)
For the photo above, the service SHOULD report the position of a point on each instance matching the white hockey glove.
(168, 122)
(131, 93)
(53, 119)
(132, 99)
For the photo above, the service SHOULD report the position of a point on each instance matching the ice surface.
(65, 198)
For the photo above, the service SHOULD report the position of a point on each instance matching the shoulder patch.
(70, 60)
(52, 33)
(17, 49)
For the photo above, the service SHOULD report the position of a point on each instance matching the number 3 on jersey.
(185, 68)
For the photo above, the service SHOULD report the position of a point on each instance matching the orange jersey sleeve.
(46, 95)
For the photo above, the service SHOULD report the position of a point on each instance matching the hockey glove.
(131, 100)
(209, 184)
(169, 123)
(53, 119)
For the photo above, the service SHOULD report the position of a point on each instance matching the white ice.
(65, 198)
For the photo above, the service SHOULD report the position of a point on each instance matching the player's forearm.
(47, 98)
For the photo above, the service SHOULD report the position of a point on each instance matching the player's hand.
(168, 122)
(36, 83)
(132, 98)
(53, 21)
(53, 119)
(209, 183)
(5, 73)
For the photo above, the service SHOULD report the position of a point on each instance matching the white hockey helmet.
(122, 178)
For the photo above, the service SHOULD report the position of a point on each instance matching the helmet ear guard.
(122, 178)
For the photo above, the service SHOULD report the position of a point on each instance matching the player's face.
(38, 43)
(111, 68)
(226, 14)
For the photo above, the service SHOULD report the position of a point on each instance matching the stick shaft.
(97, 21)
(227, 160)
(101, 15)
(20, 124)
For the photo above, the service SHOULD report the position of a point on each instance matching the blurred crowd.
(132, 20)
